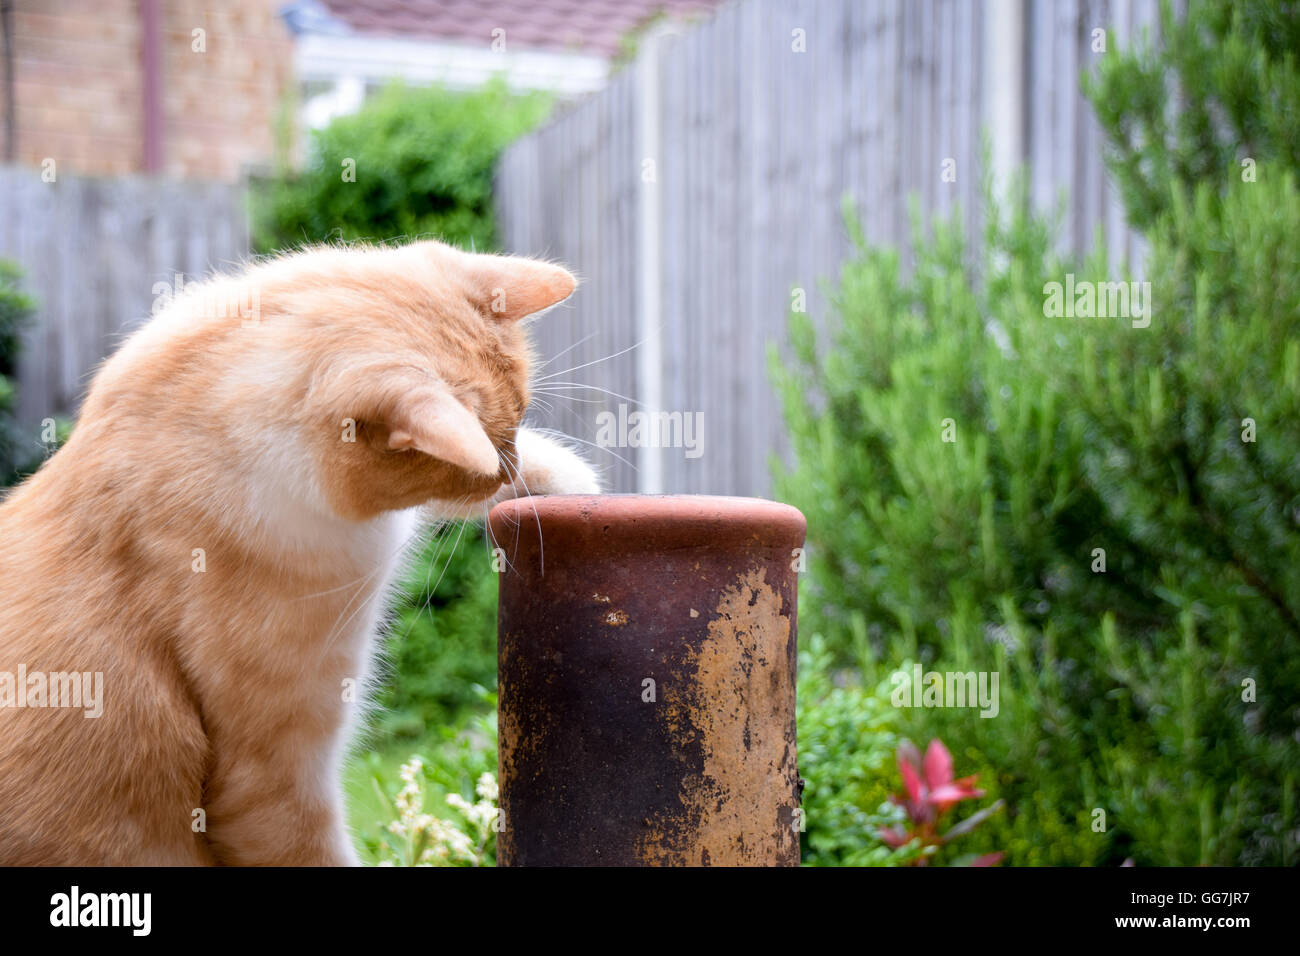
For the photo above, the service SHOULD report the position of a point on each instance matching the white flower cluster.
(482, 813)
(427, 840)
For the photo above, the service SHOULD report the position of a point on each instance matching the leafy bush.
(930, 792)
(418, 838)
(846, 750)
(1231, 67)
(16, 309)
(437, 807)
(441, 648)
(848, 738)
(1122, 690)
(1114, 526)
(412, 162)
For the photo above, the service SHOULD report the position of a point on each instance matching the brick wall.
(79, 85)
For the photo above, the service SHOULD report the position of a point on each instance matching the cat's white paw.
(550, 467)
(547, 466)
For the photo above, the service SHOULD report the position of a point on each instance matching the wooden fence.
(699, 191)
(93, 253)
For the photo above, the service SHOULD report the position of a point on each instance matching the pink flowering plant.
(929, 793)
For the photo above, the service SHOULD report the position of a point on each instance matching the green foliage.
(441, 647)
(1121, 690)
(848, 741)
(1230, 66)
(846, 758)
(16, 308)
(1163, 690)
(432, 808)
(423, 160)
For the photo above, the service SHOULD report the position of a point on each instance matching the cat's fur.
(211, 541)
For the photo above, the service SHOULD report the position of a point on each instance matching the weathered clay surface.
(647, 681)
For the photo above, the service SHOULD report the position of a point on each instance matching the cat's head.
(373, 378)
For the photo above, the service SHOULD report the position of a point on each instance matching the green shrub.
(1121, 691)
(441, 647)
(849, 743)
(1162, 691)
(433, 802)
(413, 162)
(1231, 68)
(16, 308)
(847, 740)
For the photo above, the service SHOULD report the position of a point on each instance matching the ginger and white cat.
(217, 537)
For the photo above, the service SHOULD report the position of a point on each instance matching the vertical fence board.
(91, 251)
(758, 147)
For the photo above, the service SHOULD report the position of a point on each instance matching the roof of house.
(587, 26)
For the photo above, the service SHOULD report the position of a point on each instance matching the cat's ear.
(510, 288)
(432, 421)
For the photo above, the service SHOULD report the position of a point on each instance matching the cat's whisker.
(436, 528)
(562, 353)
(541, 548)
(545, 404)
(341, 623)
(593, 361)
(585, 441)
(494, 545)
(442, 525)
(516, 480)
(429, 591)
(594, 388)
(574, 398)
(450, 555)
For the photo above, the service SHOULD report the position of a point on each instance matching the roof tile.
(593, 26)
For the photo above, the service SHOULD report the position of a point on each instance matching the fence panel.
(92, 251)
(698, 228)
